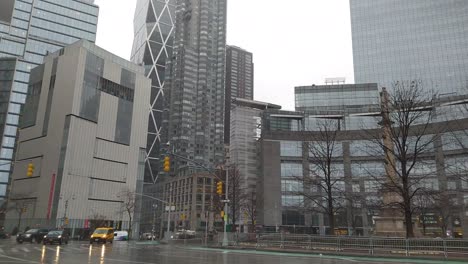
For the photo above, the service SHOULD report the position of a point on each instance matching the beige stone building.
(84, 128)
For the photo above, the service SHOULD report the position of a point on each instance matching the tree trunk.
(129, 228)
(409, 223)
(331, 211)
(19, 221)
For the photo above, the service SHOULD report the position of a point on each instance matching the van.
(102, 234)
(121, 235)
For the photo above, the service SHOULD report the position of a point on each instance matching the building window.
(336, 170)
(452, 185)
(291, 218)
(291, 149)
(291, 170)
(371, 186)
(116, 89)
(291, 186)
(292, 200)
(32, 104)
(90, 96)
(367, 169)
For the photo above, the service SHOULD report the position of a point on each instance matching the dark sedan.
(32, 235)
(56, 236)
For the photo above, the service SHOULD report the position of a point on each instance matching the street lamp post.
(154, 221)
(169, 209)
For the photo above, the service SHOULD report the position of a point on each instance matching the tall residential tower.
(239, 81)
(195, 83)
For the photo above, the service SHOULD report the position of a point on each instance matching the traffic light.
(30, 171)
(167, 164)
(219, 188)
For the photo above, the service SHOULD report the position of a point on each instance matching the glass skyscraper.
(403, 40)
(29, 30)
(152, 47)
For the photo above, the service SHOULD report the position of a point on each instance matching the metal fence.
(348, 245)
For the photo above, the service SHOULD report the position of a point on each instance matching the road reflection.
(43, 254)
(103, 253)
(57, 255)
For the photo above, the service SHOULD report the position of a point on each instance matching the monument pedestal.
(390, 226)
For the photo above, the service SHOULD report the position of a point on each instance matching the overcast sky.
(294, 42)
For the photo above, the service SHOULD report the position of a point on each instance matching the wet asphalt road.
(130, 252)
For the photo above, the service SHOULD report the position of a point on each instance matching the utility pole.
(226, 217)
(169, 210)
(154, 221)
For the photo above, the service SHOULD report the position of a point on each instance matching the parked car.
(121, 235)
(4, 235)
(184, 234)
(32, 235)
(102, 234)
(56, 236)
(148, 236)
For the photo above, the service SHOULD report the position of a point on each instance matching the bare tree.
(128, 206)
(250, 209)
(97, 220)
(407, 114)
(323, 185)
(18, 203)
(235, 193)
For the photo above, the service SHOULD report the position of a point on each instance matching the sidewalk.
(393, 255)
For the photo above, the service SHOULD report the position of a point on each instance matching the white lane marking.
(26, 250)
(2, 251)
(17, 259)
(14, 250)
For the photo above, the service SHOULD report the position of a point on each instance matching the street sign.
(172, 208)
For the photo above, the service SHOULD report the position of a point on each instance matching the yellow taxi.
(102, 234)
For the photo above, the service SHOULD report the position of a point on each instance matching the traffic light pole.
(169, 210)
(226, 216)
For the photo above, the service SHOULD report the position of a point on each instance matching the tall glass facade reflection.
(152, 47)
(406, 40)
(29, 30)
(351, 106)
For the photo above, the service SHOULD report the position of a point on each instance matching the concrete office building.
(29, 30)
(239, 81)
(195, 83)
(246, 120)
(84, 129)
(406, 40)
(357, 162)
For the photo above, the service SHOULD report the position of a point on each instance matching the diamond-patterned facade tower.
(152, 47)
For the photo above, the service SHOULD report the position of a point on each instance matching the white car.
(120, 235)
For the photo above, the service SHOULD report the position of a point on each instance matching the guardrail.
(368, 246)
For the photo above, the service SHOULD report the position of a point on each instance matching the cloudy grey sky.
(294, 42)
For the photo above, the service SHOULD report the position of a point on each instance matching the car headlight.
(104, 236)
(59, 236)
(27, 235)
(92, 236)
(45, 236)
